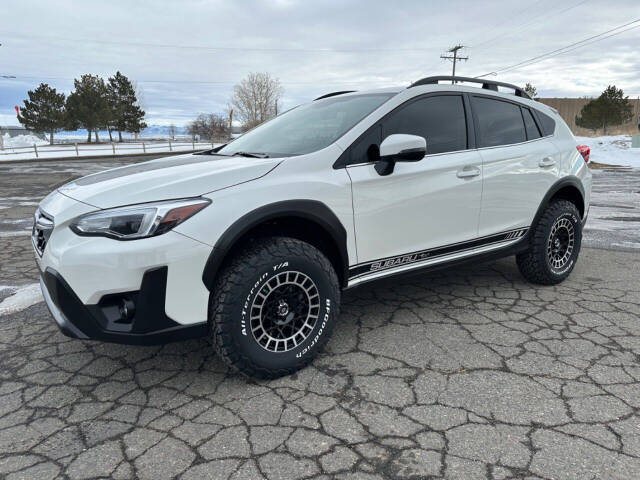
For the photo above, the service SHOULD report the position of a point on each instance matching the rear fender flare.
(571, 181)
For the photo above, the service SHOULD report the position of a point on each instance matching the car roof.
(506, 94)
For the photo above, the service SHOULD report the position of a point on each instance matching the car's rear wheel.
(555, 245)
(273, 307)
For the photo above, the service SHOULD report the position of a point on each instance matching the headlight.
(138, 221)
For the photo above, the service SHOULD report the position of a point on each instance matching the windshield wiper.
(250, 154)
(211, 152)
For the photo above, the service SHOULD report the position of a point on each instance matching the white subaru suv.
(252, 243)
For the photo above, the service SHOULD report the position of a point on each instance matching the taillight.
(585, 151)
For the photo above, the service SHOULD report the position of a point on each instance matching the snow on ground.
(21, 297)
(22, 141)
(614, 214)
(612, 150)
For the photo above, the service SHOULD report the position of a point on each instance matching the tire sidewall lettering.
(310, 343)
(323, 325)
(265, 275)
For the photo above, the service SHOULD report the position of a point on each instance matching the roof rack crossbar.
(486, 84)
(333, 94)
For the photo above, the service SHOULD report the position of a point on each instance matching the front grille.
(42, 228)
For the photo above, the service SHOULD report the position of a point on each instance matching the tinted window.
(499, 123)
(547, 123)
(440, 120)
(530, 124)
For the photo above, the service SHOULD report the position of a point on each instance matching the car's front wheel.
(273, 307)
(555, 245)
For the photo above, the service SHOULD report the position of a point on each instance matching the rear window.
(499, 123)
(547, 123)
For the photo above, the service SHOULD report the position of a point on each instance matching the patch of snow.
(23, 297)
(612, 150)
(17, 221)
(626, 245)
(15, 233)
(22, 141)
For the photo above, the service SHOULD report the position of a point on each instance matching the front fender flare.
(312, 210)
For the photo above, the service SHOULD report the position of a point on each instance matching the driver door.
(421, 205)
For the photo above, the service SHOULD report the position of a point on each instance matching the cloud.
(187, 56)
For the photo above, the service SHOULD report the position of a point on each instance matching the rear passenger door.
(519, 163)
(424, 204)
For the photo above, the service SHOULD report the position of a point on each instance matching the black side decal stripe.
(409, 258)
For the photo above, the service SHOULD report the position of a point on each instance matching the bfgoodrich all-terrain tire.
(555, 245)
(273, 307)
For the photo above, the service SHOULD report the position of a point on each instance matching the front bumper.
(149, 325)
(82, 275)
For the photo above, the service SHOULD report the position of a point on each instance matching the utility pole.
(455, 58)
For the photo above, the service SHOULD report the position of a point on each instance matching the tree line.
(94, 104)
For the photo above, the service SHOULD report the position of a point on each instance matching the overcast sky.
(186, 56)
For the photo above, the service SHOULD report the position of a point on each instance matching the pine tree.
(609, 109)
(88, 106)
(531, 90)
(44, 112)
(127, 116)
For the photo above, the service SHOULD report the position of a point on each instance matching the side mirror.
(400, 148)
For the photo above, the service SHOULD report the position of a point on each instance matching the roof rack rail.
(486, 84)
(333, 94)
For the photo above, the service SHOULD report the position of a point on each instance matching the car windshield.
(306, 128)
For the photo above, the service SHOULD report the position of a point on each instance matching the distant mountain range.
(150, 131)
(162, 130)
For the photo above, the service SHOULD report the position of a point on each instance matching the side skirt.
(480, 249)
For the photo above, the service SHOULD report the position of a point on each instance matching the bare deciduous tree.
(213, 127)
(172, 131)
(255, 98)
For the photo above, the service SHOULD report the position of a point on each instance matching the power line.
(521, 27)
(509, 20)
(219, 47)
(575, 48)
(190, 82)
(568, 48)
(528, 23)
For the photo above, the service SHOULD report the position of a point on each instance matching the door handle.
(468, 172)
(547, 162)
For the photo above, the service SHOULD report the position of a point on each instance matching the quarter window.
(440, 120)
(499, 123)
(367, 148)
(530, 124)
(547, 123)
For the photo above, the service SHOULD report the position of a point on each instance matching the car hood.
(166, 178)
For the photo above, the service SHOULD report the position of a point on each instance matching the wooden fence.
(568, 108)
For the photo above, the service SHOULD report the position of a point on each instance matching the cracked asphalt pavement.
(466, 373)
